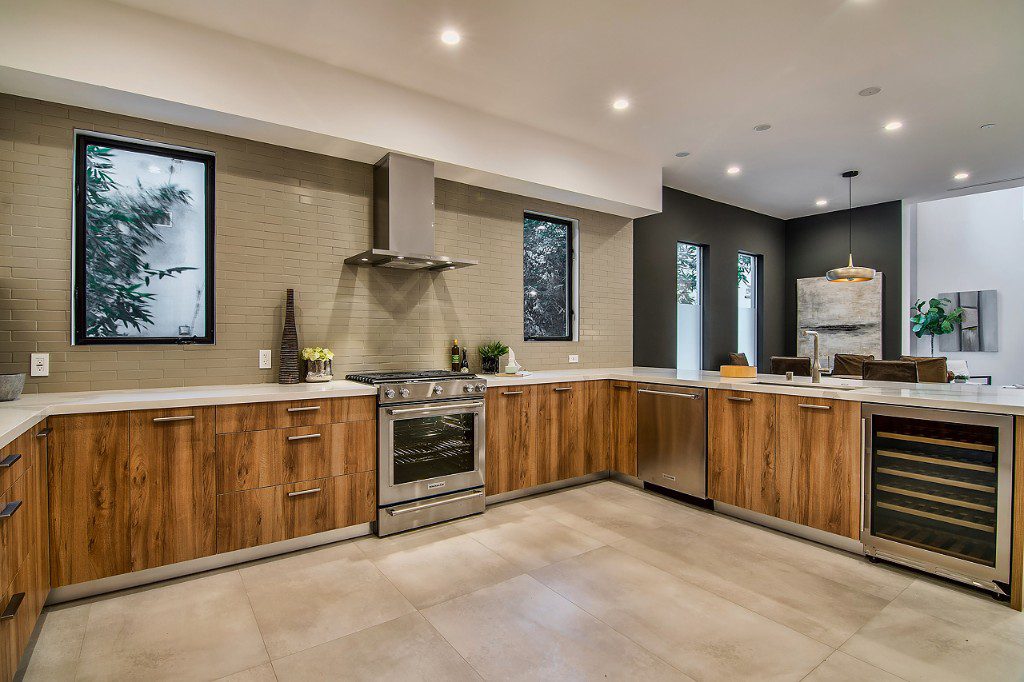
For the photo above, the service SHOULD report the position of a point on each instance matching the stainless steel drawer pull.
(451, 407)
(436, 503)
(564, 388)
(12, 607)
(691, 396)
(511, 392)
(182, 418)
(624, 387)
(45, 432)
(736, 399)
(305, 436)
(299, 493)
(311, 408)
(8, 511)
(815, 407)
(9, 461)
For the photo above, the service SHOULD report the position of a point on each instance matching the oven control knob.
(404, 392)
(468, 388)
(481, 388)
(390, 393)
(438, 390)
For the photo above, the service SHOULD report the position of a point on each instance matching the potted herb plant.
(490, 354)
(318, 364)
(934, 320)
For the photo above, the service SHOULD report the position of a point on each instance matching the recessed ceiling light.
(821, 202)
(732, 170)
(962, 175)
(682, 155)
(986, 126)
(761, 127)
(867, 92)
(894, 125)
(450, 37)
(620, 104)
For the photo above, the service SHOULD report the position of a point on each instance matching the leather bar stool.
(890, 370)
(738, 359)
(800, 367)
(849, 364)
(931, 370)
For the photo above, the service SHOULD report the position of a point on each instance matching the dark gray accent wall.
(817, 243)
(723, 230)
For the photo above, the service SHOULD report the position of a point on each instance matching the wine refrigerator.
(938, 491)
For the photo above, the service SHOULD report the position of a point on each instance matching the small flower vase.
(489, 365)
(318, 371)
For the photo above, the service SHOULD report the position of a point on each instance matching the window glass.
(547, 278)
(689, 305)
(747, 309)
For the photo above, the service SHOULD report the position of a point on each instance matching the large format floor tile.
(700, 633)
(521, 630)
(819, 607)
(431, 572)
(530, 540)
(840, 667)
(407, 648)
(946, 639)
(311, 598)
(55, 655)
(198, 629)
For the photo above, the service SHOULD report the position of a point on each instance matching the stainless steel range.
(430, 447)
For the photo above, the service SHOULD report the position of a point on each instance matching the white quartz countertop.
(18, 416)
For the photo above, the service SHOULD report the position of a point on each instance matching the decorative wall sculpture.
(979, 330)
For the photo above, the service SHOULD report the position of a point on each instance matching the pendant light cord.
(851, 216)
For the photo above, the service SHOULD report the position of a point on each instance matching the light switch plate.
(265, 359)
(40, 365)
(574, 358)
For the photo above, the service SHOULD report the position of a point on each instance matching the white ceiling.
(700, 74)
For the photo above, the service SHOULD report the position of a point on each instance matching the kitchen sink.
(815, 387)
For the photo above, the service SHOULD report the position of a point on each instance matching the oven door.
(430, 449)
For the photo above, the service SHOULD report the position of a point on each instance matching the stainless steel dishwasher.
(671, 440)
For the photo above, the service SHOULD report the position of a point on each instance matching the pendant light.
(850, 273)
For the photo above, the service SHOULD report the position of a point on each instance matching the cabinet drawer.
(20, 605)
(15, 457)
(279, 415)
(281, 512)
(257, 459)
(16, 508)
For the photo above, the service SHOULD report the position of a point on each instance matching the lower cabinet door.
(819, 463)
(173, 489)
(622, 420)
(742, 467)
(566, 409)
(281, 512)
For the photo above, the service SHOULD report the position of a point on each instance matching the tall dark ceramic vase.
(289, 372)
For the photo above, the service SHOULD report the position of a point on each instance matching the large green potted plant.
(934, 320)
(490, 354)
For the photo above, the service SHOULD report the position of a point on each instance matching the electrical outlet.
(574, 358)
(265, 359)
(40, 365)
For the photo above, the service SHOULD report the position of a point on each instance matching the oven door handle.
(457, 407)
(435, 503)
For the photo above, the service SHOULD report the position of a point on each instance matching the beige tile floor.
(602, 581)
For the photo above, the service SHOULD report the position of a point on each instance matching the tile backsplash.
(289, 218)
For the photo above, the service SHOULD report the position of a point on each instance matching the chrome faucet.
(815, 362)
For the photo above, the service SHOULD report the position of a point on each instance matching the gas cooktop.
(375, 378)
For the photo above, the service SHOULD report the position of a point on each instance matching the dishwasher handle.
(689, 396)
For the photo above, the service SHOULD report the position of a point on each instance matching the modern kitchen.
(476, 340)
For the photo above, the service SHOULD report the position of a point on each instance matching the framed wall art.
(143, 243)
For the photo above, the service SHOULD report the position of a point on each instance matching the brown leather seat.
(849, 364)
(890, 370)
(800, 367)
(932, 370)
(738, 359)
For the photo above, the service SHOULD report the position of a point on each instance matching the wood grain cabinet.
(622, 421)
(790, 457)
(88, 485)
(172, 494)
(819, 463)
(516, 438)
(25, 581)
(742, 450)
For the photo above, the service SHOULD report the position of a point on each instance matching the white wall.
(179, 73)
(969, 243)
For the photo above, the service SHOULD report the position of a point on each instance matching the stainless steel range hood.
(403, 218)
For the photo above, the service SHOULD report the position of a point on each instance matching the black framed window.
(144, 251)
(547, 278)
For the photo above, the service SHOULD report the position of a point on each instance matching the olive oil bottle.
(456, 356)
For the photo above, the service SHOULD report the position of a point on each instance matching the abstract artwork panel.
(143, 243)
(847, 317)
(979, 329)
